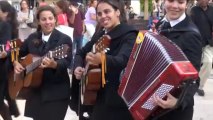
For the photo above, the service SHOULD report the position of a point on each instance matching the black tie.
(166, 25)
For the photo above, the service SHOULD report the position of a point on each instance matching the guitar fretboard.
(29, 68)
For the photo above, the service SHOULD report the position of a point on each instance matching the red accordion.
(156, 66)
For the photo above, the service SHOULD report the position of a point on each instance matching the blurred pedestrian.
(202, 16)
(25, 16)
(90, 18)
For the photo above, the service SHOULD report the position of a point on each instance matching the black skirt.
(45, 110)
(110, 106)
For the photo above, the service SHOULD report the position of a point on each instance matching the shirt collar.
(175, 22)
(45, 37)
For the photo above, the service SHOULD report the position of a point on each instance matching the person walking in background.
(8, 31)
(110, 17)
(202, 16)
(77, 22)
(25, 16)
(50, 100)
(90, 18)
(63, 12)
(154, 6)
(179, 28)
(153, 19)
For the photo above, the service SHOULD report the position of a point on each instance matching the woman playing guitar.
(49, 101)
(111, 18)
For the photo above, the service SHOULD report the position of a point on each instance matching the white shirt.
(175, 22)
(45, 37)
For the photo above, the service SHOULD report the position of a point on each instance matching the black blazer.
(56, 83)
(123, 38)
(186, 35)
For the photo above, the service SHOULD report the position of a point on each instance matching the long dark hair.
(11, 17)
(116, 5)
(64, 6)
(45, 8)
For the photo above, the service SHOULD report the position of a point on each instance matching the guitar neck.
(59, 53)
(29, 68)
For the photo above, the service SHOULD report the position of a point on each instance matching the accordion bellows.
(156, 66)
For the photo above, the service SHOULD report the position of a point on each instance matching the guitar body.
(92, 78)
(19, 81)
(91, 83)
(32, 79)
(16, 83)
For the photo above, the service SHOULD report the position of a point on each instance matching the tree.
(146, 6)
(146, 9)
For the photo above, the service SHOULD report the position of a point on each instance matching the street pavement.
(203, 109)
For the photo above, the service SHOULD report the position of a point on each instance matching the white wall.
(136, 6)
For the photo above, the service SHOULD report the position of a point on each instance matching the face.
(107, 16)
(203, 3)
(24, 5)
(47, 21)
(95, 2)
(174, 8)
(3, 15)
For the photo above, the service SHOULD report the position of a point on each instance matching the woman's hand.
(3, 54)
(74, 9)
(93, 59)
(48, 63)
(78, 72)
(170, 102)
(24, 19)
(18, 68)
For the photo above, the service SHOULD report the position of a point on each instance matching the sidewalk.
(202, 110)
(203, 105)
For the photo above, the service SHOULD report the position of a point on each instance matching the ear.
(118, 13)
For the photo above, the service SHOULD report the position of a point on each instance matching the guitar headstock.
(13, 46)
(15, 43)
(60, 51)
(102, 44)
(10, 45)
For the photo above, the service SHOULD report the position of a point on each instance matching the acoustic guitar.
(31, 77)
(92, 77)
